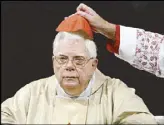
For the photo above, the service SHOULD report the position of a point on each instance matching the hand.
(98, 24)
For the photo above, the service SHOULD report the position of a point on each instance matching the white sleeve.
(142, 49)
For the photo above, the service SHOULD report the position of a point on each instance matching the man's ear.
(52, 58)
(53, 62)
(95, 63)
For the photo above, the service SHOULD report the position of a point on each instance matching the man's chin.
(70, 83)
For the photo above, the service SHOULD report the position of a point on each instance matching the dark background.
(28, 30)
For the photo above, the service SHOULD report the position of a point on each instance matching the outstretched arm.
(142, 49)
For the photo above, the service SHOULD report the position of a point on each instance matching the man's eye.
(62, 58)
(79, 58)
(79, 61)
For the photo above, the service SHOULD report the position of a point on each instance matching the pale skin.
(98, 24)
(73, 80)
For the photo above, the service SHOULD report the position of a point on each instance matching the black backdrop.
(28, 30)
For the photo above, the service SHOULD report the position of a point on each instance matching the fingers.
(94, 30)
(81, 7)
(85, 8)
(84, 14)
(84, 11)
(70, 15)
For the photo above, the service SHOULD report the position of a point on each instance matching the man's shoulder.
(114, 83)
(41, 81)
(117, 84)
(110, 82)
(40, 85)
(119, 88)
(108, 79)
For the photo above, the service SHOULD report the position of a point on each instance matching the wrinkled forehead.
(72, 47)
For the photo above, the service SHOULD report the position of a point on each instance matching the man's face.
(72, 76)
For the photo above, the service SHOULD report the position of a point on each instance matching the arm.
(142, 49)
(128, 107)
(14, 110)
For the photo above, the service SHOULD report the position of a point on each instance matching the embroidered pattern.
(147, 51)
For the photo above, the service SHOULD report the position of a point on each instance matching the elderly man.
(78, 93)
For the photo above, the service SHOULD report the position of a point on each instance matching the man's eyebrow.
(79, 56)
(61, 55)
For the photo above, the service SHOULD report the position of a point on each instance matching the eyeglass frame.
(72, 60)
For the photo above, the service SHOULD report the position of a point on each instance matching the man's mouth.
(70, 77)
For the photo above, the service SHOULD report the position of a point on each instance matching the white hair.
(89, 44)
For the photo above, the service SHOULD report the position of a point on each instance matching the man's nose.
(70, 66)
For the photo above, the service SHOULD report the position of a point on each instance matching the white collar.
(84, 94)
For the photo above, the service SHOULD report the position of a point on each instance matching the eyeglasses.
(77, 61)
